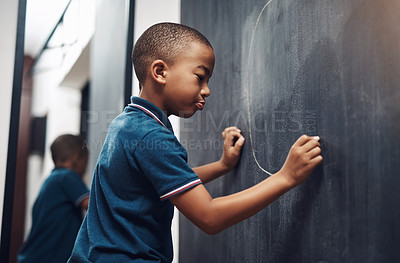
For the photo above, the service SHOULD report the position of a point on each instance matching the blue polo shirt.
(56, 218)
(140, 166)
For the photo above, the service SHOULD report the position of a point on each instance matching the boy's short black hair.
(165, 41)
(65, 146)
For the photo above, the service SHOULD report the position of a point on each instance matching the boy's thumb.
(239, 143)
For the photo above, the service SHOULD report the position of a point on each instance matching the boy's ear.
(158, 71)
(75, 157)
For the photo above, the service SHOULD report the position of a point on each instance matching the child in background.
(142, 170)
(57, 212)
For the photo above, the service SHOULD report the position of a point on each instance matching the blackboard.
(284, 68)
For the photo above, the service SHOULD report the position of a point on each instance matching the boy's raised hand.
(213, 215)
(303, 157)
(233, 143)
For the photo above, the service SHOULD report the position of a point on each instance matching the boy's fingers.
(231, 136)
(239, 143)
(317, 160)
(304, 139)
(311, 144)
(314, 152)
(230, 129)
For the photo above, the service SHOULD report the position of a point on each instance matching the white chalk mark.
(247, 89)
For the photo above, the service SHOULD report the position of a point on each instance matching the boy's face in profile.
(186, 85)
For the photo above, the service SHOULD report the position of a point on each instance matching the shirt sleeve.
(163, 160)
(74, 188)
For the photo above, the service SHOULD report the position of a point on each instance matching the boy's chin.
(186, 114)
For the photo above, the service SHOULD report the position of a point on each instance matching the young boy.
(57, 212)
(142, 170)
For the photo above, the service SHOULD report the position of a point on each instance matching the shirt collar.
(153, 109)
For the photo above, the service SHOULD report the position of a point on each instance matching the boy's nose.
(205, 91)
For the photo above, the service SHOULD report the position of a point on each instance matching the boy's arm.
(233, 142)
(214, 215)
(211, 171)
(84, 204)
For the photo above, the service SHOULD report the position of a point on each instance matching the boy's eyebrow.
(205, 69)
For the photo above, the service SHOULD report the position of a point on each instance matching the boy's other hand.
(233, 143)
(303, 157)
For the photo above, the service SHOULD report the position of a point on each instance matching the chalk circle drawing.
(247, 89)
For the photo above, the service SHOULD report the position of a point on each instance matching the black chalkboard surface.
(283, 68)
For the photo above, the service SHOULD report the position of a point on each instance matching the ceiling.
(41, 18)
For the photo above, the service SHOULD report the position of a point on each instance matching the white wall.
(8, 29)
(147, 13)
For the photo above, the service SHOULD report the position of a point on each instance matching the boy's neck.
(66, 165)
(154, 98)
(69, 164)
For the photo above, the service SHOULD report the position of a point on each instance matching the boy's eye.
(201, 78)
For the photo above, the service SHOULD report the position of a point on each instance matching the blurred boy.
(142, 170)
(57, 212)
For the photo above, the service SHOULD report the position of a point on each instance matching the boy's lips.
(200, 105)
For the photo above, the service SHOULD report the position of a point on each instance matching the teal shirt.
(140, 167)
(56, 218)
